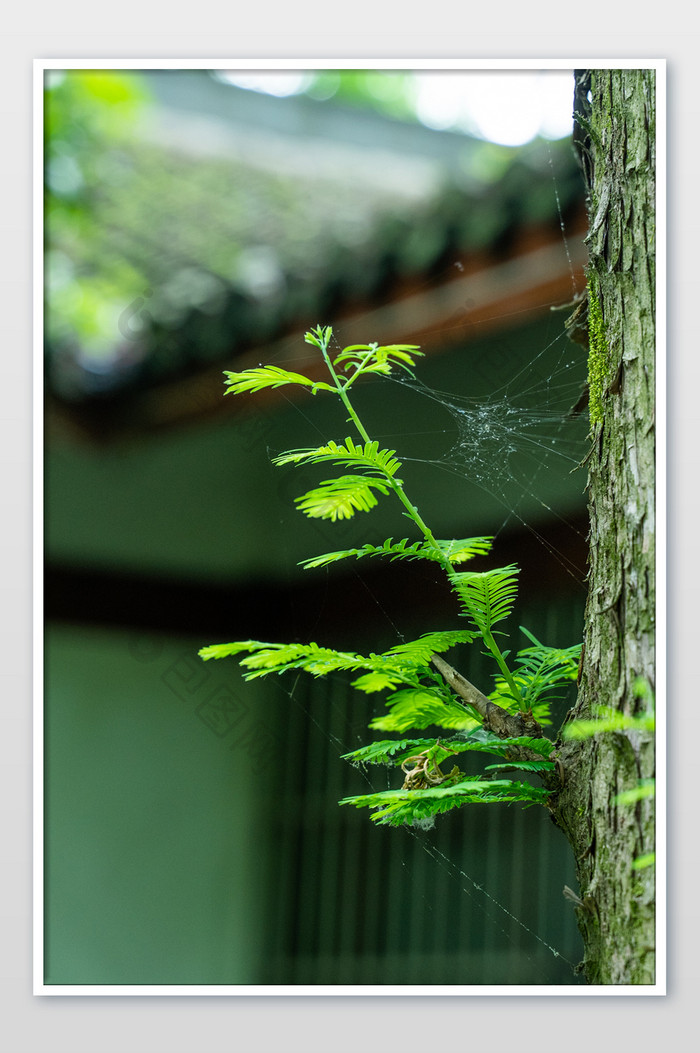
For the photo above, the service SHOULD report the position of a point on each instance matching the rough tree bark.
(616, 913)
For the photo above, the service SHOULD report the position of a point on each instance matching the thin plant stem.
(411, 510)
(396, 486)
(498, 655)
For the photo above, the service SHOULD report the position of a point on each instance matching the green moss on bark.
(599, 358)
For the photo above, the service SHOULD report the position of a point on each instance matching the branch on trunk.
(495, 719)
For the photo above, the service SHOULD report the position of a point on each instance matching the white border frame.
(41, 66)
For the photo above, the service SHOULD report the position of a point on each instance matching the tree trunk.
(616, 912)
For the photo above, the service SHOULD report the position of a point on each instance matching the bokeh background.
(201, 220)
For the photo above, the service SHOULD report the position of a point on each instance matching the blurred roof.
(245, 219)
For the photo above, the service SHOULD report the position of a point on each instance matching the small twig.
(502, 723)
(572, 897)
(495, 719)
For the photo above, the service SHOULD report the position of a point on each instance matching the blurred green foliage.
(112, 245)
(391, 92)
(89, 116)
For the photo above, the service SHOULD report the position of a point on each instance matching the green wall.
(155, 863)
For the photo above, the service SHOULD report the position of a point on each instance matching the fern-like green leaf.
(399, 807)
(377, 680)
(543, 674)
(399, 665)
(371, 358)
(318, 661)
(644, 788)
(503, 696)
(465, 549)
(533, 766)
(381, 462)
(392, 751)
(319, 336)
(227, 650)
(394, 550)
(388, 751)
(421, 707)
(456, 551)
(269, 377)
(403, 664)
(485, 742)
(487, 597)
(548, 668)
(608, 720)
(419, 652)
(340, 498)
(266, 658)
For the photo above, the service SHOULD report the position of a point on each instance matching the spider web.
(520, 444)
(509, 453)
